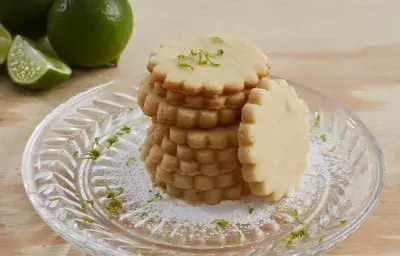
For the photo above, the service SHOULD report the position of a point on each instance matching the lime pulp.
(5, 43)
(31, 67)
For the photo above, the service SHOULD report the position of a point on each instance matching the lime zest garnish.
(92, 154)
(296, 216)
(181, 57)
(110, 194)
(96, 141)
(84, 204)
(70, 138)
(220, 244)
(185, 65)
(53, 198)
(321, 239)
(75, 154)
(111, 140)
(216, 39)
(221, 223)
(250, 208)
(293, 212)
(212, 63)
(343, 222)
(238, 237)
(119, 133)
(317, 120)
(156, 197)
(323, 137)
(114, 206)
(130, 161)
(193, 52)
(295, 235)
(86, 220)
(126, 129)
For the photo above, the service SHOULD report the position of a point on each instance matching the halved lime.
(5, 43)
(31, 67)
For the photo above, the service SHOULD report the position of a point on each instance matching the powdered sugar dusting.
(179, 217)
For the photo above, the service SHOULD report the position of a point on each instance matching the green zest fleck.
(343, 222)
(113, 139)
(201, 61)
(216, 39)
(321, 239)
(156, 197)
(299, 233)
(238, 237)
(86, 220)
(54, 198)
(150, 191)
(130, 161)
(317, 120)
(126, 129)
(110, 193)
(96, 141)
(84, 204)
(323, 137)
(119, 133)
(295, 235)
(92, 154)
(193, 52)
(211, 63)
(114, 206)
(251, 209)
(185, 65)
(296, 216)
(70, 138)
(75, 155)
(220, 244)
(221, 223)
(181, 57)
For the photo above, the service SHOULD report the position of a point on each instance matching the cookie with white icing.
(156, 106)
(273, 139)
(208, 65)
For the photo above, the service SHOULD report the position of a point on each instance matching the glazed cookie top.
(210, 65)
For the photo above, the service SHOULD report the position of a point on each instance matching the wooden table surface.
(347, 49)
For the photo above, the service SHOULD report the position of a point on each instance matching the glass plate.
(339, 189)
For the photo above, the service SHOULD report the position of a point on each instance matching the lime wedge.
(5, 43)
(31, 67)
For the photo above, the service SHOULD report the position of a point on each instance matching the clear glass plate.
(339, 189)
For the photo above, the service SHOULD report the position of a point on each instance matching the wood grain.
(347, 49)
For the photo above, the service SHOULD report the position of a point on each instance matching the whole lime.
(89, 33)
(25, 17)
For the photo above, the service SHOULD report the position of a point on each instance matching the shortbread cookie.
(203, 155)
(235, 100)
(216, 138)
(156, 106)
(153, 155)
(209, 65)
(201, 182)
(212, 197)
(273, 139)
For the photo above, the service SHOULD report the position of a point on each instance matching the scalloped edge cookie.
(216, 138)
(273, 139)
(211, 197)
(153, 154)
(157, 107)
(236, 100)
(233, 64)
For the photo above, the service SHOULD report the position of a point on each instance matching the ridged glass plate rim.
(91, 246)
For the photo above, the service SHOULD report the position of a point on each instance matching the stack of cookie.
(194, 94)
